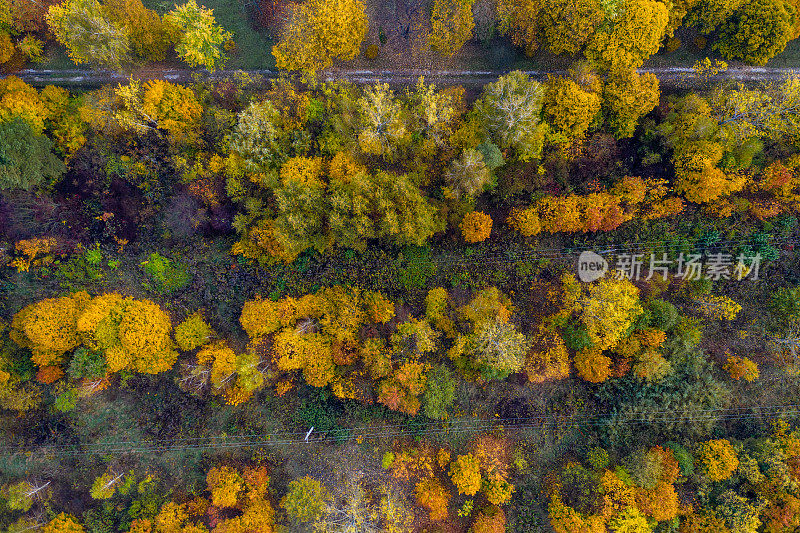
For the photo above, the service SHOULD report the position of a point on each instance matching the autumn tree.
(607, 308)
(465, 474)
(510, 109)
(707, 15)
(565, 27)
(192, 332)
(63, 523)
(497, 348)
(741, 367)
(451, 25)
(158, 105)
(89, 32)
(520, 19)
(631, 520)
(569, 109)
(717, 307)
(476, 226)
(717, 459)
(49, 328)
(199, 37)
(148, 35)
(225, 484)
(255, 137)
(633, 34)
(628, 96)
(105, 486)
(758, 31)
(467, 176)
(306, 499)
(382, 128)
(26, 159)
(319, 32)
(431, 495)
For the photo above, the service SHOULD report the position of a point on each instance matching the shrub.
(372, 52)
(663, 315)
(166, 275)
(192, 333)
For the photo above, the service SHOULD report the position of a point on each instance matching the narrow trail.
(672, 77)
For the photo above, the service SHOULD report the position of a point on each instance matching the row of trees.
(358, 343)
(112, 34)
(333, 166)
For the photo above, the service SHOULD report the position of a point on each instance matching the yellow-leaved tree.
(634, 33)
(319, 32)
(607, 308)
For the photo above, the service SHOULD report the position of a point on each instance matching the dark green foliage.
(684, 458)
(86, 364)
(784, 307)
(492, 156)
(647, 412)
(576, 337)
(165, 274)
(578, 488)
(663, 315)
(26, 159)
(440, 392)
(318, 409)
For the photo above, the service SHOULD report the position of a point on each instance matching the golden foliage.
(717, 459)
(592, 365)
(319, 32)
(476, 226)
(431, 495)
(225, 484)
(465, 474)
(451, 25)
(63, 523)
(741, 367)
(49, 327)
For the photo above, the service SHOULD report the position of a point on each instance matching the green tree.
(510, 109)
(306, 499)
(89, 32)
(26, 159)
(758, 31)
(200, 38)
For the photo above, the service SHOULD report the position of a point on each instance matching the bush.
(192, 333)
(166, 275)
(663, 315)
(372, 52)
(87, 364)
